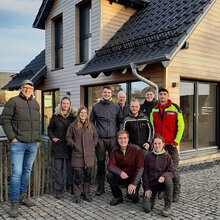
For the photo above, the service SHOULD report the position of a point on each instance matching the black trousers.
(115, 180)
(58, 174)
(100, 150)
(82, 180)
(167, 187)
(175, 157)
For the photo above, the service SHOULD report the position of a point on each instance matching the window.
(51, 99)
(58, 42)
(133, 90)
(85, 32)
(198, 101)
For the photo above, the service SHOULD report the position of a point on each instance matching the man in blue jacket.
(105, 116)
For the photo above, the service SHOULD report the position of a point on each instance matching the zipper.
(30, 118)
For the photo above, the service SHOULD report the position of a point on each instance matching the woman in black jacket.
(57, 128)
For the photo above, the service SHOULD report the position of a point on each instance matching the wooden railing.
(41, 180)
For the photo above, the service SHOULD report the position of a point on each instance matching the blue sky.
(19, 42)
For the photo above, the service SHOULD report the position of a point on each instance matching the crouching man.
(125, 166)
(157, 177)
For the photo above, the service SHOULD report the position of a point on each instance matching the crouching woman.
(158, 174)
(82, 137)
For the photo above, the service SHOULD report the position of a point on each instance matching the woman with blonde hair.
(82, 137)
(57, 128)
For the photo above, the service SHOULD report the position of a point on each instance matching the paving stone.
(199, 199)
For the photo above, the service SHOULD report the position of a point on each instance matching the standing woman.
(82, 137)
(57, 128)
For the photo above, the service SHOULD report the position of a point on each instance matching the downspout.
(141, 78)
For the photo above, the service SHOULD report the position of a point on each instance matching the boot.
(100, 190)
(14, 209)
(167, 210)
(86, 192)
(24, 200)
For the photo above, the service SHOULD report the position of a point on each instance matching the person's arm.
(95, 135)
(7, 115)
(180, 128)
(70, 135)
(51, 129)
(152, 122)
(112, 164)
(169, 169)
(92, 117)
(146, 183)
(139, 167)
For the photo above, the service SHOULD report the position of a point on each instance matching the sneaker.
(116, 201)
(176, 197)
(24, 200)
(166, 211)
(14, 209)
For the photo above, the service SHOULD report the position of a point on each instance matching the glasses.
(28, 88)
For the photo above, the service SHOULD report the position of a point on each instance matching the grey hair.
(121, 92)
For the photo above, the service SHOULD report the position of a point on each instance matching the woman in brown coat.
(82, 137)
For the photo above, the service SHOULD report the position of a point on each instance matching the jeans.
(22, 158)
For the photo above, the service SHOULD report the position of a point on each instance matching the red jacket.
(167, 121)
(132, 163)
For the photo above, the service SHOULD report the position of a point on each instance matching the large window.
(58, 27)
(85, 32)
(198, 102)
(133, 90)
(51, 99)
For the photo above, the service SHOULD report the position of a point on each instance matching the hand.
(146, 146)
(123, 175)
(161, 179)
(38, 144)
(148, 193)
(131, 189)
(55, 139)
(14, 140)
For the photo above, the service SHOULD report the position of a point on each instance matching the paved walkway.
(200, 199)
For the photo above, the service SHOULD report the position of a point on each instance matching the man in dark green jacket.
(21, 123)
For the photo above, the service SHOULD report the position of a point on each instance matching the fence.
(41, 176)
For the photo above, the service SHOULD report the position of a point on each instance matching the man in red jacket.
(125, 166)
(167, 121)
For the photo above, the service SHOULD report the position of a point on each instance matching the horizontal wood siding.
(113, 17)
(201, 60)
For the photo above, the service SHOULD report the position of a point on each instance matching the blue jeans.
(22, 158)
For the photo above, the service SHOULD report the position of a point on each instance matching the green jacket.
(21, 119)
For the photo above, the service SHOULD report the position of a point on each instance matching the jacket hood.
(58, 110)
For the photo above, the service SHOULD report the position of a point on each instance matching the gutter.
(141, 78)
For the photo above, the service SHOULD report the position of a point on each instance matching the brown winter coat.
(83, 142)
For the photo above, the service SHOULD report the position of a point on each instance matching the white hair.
(121, 92)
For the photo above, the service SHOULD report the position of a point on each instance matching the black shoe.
(116, 201)
(87, 198)
(77, 200)
(99, 191)
(14, 209)
(176, 197)
(59, 195)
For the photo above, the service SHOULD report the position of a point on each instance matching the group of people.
(141, 142)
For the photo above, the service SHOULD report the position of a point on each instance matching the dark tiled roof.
(34, 71)
(154, 34)
(42, 14)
